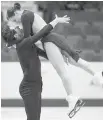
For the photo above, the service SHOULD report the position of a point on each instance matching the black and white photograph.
(51, 60)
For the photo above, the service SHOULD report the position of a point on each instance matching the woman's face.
(16, 18)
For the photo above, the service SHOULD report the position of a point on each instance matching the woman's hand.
(65, 59)
(57, 20)
(63, 19)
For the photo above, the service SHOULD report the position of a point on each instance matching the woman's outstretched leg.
(80, 63)
(62, 43)
(56, 59)
(97, 77)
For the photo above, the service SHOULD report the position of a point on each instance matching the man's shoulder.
(24, 44)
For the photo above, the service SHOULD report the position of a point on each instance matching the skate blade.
(77, 107)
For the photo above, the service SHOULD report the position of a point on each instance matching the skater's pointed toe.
(80, 103)
(97, 79)
(75, 103)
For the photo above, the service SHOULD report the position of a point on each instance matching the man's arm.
(41, 53)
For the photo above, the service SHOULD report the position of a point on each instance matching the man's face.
(19, 33)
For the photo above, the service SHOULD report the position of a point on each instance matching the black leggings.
(31, 96)
(62, 43)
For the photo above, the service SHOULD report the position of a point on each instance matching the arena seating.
(84, 20)
(100, 27)
(92, 33)
(84, 32)
(81, 24)
(82, 16)
(91, 55)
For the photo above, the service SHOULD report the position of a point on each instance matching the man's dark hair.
(7, 34)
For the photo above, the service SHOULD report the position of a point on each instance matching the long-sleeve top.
(27, 50)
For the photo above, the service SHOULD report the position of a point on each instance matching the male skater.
(31, 85)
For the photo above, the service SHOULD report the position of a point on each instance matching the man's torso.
(29, 59)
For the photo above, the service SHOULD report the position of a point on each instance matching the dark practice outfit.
(31, 85)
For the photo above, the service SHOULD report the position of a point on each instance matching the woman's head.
(11, 36)
(14, 13)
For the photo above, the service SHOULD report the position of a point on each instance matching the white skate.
(75, 105)
(97, 79)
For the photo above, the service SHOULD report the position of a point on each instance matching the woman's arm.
(47, 28)
(43, 32)
(26, 23)
(27, 26)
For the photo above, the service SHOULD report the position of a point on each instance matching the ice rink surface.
(80, 86)
(54, 113)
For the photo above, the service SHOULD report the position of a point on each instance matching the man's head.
(11, 36)
(14, 13)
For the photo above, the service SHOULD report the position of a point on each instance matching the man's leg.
(32, 102)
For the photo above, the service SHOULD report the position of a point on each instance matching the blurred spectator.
(91, 6)
(74, 5)
(101, 6)
(1, 16)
